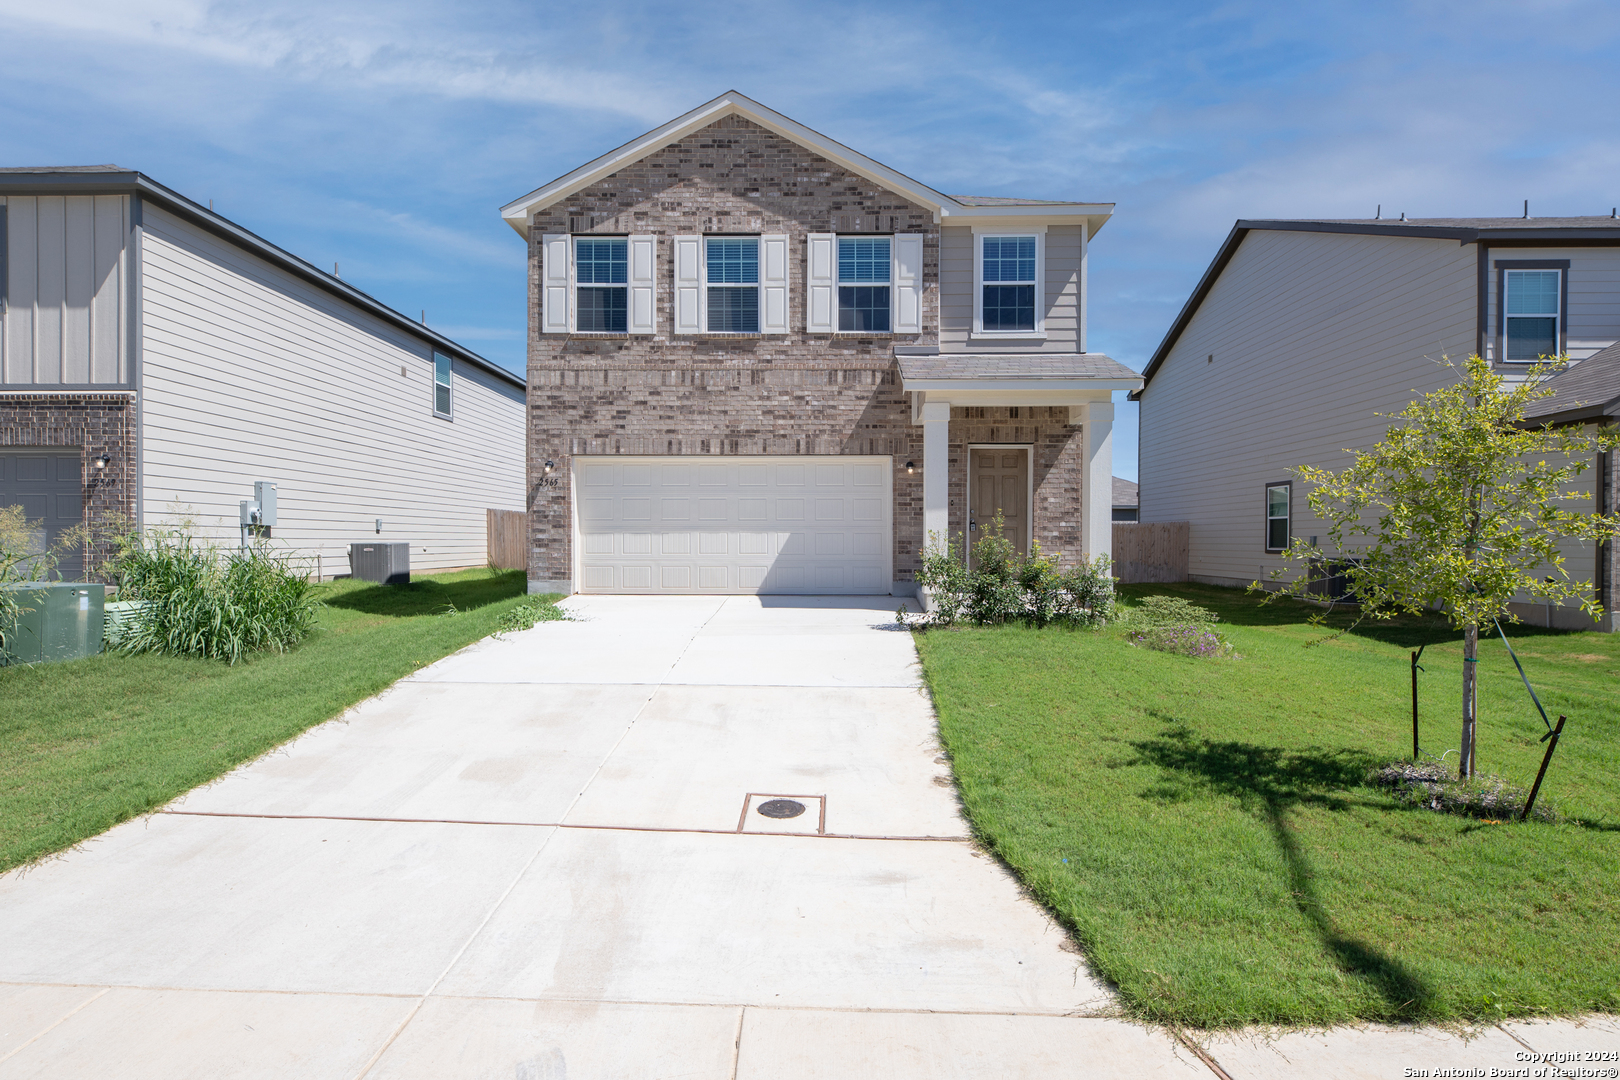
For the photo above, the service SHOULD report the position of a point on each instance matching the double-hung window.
(602, 277)
(1009, 299)
(1277, 523)
(863, 283)
(733, 284)
(1531, 313)
(441, 385)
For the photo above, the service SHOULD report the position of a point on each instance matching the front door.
(998, 481)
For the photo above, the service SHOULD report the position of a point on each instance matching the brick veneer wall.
(793, 393)
(1058, 461)
(93, 423)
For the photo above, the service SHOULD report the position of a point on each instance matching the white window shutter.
(643, 284)
(908, 283)
(689, 285)
(821, 283)
(773, 283)
(556, 315)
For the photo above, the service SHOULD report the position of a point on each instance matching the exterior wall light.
(911, 467)
(102, 461)
(550, 466)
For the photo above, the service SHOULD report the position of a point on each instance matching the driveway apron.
(545, 857)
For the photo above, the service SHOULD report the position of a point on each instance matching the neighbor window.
(733, 273)
(441, 384)
(1277, 516)
(863, 283)
(1530, 313)
(1008, 301)
(602, 274)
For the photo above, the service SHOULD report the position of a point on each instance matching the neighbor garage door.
(48, 486)
(733, 524)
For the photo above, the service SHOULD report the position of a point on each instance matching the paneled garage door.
(733, 524)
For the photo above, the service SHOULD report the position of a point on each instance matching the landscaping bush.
(201, 602)
(1433, 785)
(1004, 586)
(1171, 624)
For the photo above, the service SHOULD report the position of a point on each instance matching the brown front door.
(998, 480)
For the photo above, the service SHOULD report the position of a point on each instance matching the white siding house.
(194, 358)
(1301, 334)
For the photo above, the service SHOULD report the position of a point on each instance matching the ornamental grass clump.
(1434, 785)
(1171, 624)
(199, 601)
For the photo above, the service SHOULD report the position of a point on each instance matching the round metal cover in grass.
(781, 808)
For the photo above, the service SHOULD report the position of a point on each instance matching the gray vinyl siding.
(1593, 317)
(1312, 335)
(64, 291)
(250, 373)
(1063, 287)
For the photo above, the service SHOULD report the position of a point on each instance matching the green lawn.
(1205, 829)
(89, 743)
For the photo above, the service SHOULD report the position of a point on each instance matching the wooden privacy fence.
(1150, 551)
(508, 539)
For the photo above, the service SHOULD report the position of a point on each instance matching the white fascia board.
(1029, 391)
(516, 213)
(1092, 215)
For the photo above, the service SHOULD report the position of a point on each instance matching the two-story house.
(1303, 336)
(761, 362)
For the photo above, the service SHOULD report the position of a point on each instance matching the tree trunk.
(1465, 761)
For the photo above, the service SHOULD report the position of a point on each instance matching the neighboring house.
(157, 359)
(1302, 332)
(763, 362)
(1125, 504)
(1588, 395)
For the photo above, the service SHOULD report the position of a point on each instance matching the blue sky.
(385, 136)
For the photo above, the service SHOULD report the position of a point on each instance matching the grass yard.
(1206, 829)
(87, 744)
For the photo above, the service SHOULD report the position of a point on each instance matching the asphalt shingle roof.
(1125, 492)
(1591, 387)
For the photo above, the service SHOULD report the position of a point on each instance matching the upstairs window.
(863, 284)
(733, 284)
(602, 276)
(1277, 523)
(1008, 268)
(441, 385)
(1531, 314)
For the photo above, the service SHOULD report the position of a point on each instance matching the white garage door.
(733, 524)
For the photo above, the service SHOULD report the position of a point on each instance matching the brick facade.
(1058, 463)
(793, 393)
(95, 424)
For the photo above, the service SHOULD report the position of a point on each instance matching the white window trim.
(980, 232)
(1287, 517)
(838, 283)
(1557, 316)
(574, 285)
(449, 384)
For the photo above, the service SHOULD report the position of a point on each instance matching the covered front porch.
(1029, 436)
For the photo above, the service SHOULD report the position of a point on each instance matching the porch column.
(1097, 491)
(936, 422)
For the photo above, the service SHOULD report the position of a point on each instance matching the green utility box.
(60, 620)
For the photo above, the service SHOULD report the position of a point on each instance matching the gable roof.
(113, 180)
(1589, 390)
(1125, 492)
(1489, 231)
(731, 103)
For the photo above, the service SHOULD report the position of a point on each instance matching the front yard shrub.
(201, 602)
(1434, 785)
(1171, 624)
(1002, 586)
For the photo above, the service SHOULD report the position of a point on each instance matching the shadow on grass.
(1274, 781)
(427, 596)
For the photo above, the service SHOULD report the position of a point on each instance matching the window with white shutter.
(643, 286)
(731, 300)
(821, 276)
(908, 283)
(602, 276)
(688, 284)
(555, 290)
(773, 283)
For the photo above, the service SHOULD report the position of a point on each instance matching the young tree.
(1461, 507)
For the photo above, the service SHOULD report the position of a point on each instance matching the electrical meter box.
(264, 493)
(59, 620)
(389, 563)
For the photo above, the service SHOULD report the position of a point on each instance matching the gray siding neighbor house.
(1302, 332)
(156, 359)
(762, 362)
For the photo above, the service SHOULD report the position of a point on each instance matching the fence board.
(507, 539)
(1150, 551)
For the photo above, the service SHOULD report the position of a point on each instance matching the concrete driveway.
(543, 858)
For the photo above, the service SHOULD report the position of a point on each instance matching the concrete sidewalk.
(542, 858)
